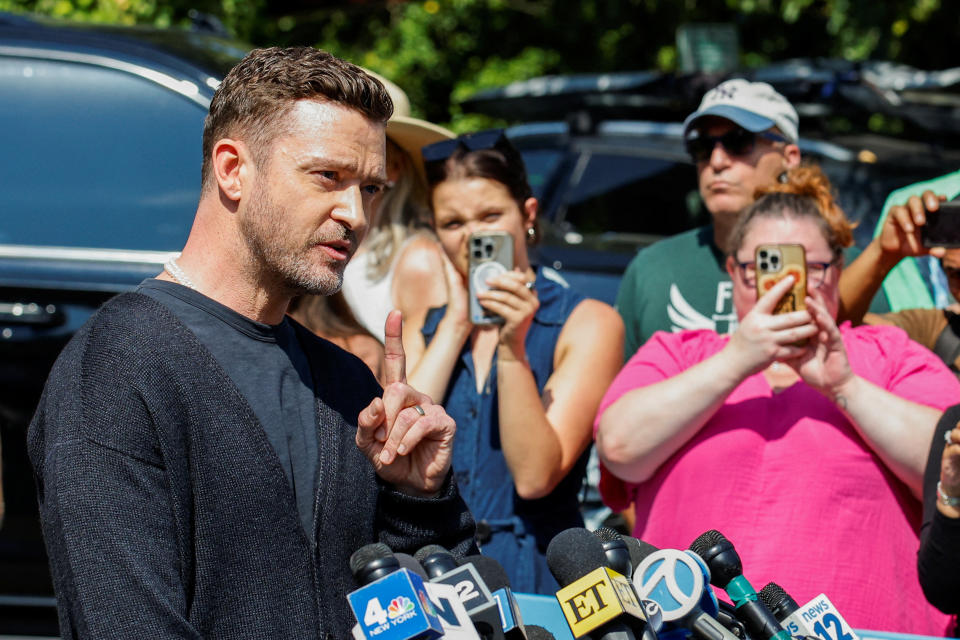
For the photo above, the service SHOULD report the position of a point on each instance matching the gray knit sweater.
(166, 513)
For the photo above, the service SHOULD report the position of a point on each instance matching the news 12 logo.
(597, 598)
(395, 607)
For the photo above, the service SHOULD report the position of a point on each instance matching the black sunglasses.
(489, 139)
(737, 142)
(435, 155)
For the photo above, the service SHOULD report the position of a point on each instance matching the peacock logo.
(399, 606)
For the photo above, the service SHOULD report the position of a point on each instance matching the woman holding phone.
(803, 442)
(523, 391)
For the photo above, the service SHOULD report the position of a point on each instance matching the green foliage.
(441, 51)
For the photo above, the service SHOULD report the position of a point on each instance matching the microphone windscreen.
(606, 534)
(535, 632)
(705, 541)
(574, 553)
(777, 600)
(428, 550)
(410, 563)
(491, 572)
(367, 554)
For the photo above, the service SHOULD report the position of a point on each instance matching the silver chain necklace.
(177, 273)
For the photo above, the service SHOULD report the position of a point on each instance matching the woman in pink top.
(808, 458)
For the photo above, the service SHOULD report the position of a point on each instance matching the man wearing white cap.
(743, 136)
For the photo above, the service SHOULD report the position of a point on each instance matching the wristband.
(947, 501)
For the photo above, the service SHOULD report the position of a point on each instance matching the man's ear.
(791, 155)
(231, 161)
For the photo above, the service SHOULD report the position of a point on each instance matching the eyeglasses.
(816, 273)
(736, 141)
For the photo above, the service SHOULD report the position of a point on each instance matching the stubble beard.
(297, 270)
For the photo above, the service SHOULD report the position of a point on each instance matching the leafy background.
(441, 51)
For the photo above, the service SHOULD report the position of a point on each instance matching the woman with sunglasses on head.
(523, 392)
(803, 442)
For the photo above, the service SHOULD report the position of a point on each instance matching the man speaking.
(206, 466)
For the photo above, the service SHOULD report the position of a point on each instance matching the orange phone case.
(776, 261)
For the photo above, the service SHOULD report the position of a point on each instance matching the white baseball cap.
(755, 106)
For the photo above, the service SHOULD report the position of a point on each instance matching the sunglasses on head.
(438, 152)
(736, 142)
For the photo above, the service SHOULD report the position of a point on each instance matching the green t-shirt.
(674, 284)
(904, 286)
(681, 283)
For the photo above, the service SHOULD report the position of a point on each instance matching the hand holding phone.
(491, 253)
(774, 262)
(943, 226)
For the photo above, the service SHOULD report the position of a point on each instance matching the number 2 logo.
(467, 591)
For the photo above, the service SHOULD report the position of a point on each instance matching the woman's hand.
(763, 337)
(458, 305)
(824, 365)
(511, 298)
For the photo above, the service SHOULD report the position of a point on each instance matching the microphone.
(494, 576)
(594, 599)
(535, 632)
(726, 570)
(616, 551)
(816, 618)
(390, 599)
(442, 568)
(675, 580)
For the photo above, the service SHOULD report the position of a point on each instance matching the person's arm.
(647, 425)
(107, 512)
(899, 238)
(938, 560)
(431, 366)
(896, 429)
(543, 436)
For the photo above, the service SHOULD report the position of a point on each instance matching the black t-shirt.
(270, 369)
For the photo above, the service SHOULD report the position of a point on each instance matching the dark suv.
(100, 166)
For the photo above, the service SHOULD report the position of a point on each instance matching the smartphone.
(491, 253)
(943, 226)
(775, 262)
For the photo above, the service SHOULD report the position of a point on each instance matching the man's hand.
(409, 449)
(901, 235)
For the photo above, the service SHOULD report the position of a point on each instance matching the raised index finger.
(395, 362)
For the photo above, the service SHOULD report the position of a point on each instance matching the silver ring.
(946, 436)
(529, 285)
(420, 410)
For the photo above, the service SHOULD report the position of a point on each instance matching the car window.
(95, 157)
(632, 194)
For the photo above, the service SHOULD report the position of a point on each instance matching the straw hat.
(408, 133)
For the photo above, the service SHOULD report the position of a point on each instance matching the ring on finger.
(420, 410)
(529, 285)
(947, 436)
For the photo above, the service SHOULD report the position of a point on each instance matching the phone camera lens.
(477, 253)
(764, 266)
(774, 259)
(763, 254)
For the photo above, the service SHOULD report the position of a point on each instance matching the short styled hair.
(257, 94)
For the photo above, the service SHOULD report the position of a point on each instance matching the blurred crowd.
(802, 434)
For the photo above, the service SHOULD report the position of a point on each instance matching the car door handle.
(30, 313)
